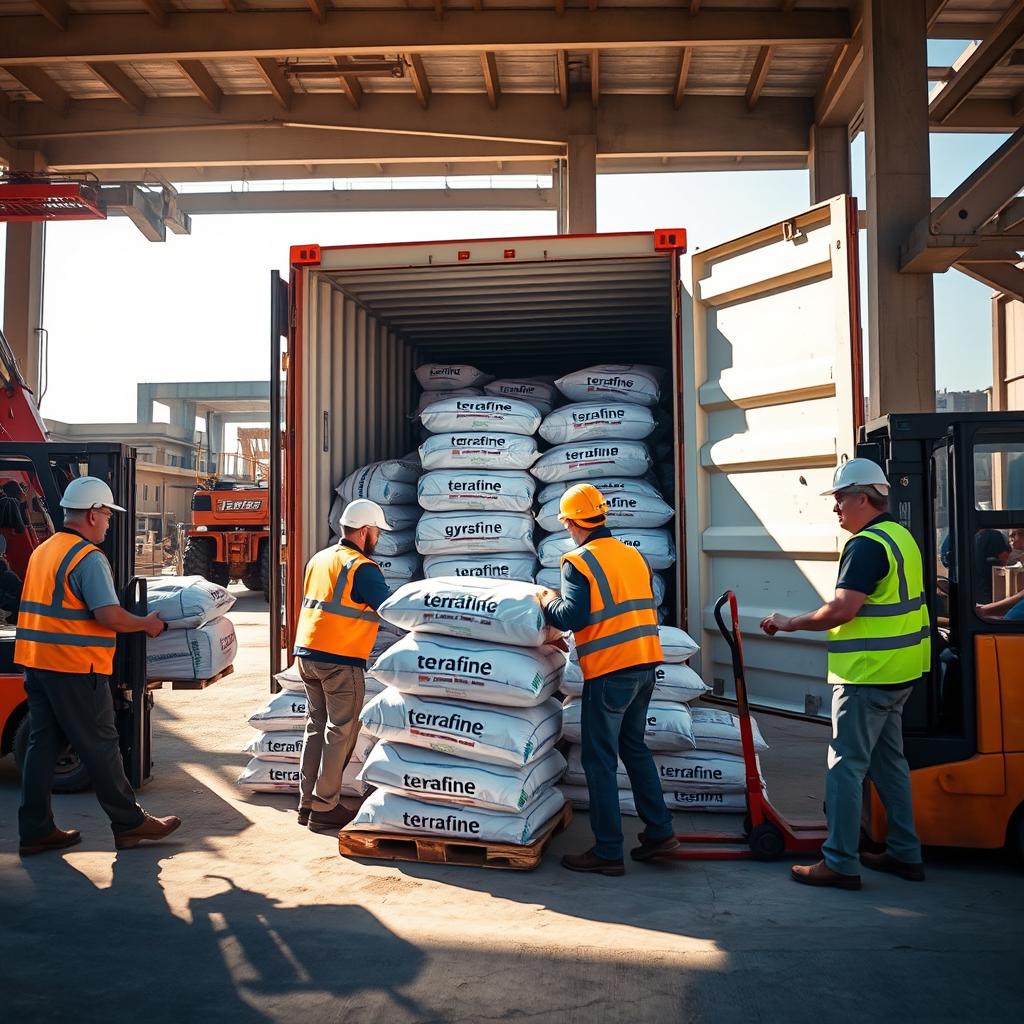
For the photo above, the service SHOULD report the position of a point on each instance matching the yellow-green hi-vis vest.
(889, 641)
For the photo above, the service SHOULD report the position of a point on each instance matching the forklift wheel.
(766, 842)
(70, 775)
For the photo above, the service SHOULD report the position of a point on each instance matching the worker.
(65, 640)
(336, 631)
(607, 601)
(10, 590)
(879, 647)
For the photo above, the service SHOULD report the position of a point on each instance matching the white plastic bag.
(396, 567)
(625, 512)
(702, 771)
(677, 646)
(493, 610)
(398, 517)
(632, 383)
(671, 682)
(539, 393)
(715, 729)
(395, 542)
(440, 533)
(458, 490)
(276, 746)
(192, 653)
(656, 546)
(421, 774)
(716, 803)
(263, 776)
(478, 450)
(290, 679)
(607, 485)
(480, 732)
(585, 421)
(579, 797)
(488, 413)
(187, 602)
(431, 665)
(387, 483)
(428, 398)
(283, 712)
(668, 724)
(389, 812)
(587, 460)
(508, 566)
(449, 376)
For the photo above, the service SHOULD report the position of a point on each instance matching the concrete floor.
(243, 916)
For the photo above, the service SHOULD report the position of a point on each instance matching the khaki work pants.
(334, 696)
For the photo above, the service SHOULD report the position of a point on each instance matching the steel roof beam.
(367, 200)
(274, 77)
(40, 84)
(114, 76)
(595, 78)
(202, 81)
(996, 44)
(841, 96)
(157, 10)
(318, 9)
(682, 74)
(489, 66)
(420, 82)
(562, 75)
(54, 11)
(1001, 277)
(204, 36)
(758, 77)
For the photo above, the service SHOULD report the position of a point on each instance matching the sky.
(120, 310)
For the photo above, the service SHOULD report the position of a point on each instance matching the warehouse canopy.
(229, 89)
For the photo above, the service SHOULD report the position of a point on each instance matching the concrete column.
(901, 334)
(829, 162)
(581, 194)
(144, 403)
(23, 283)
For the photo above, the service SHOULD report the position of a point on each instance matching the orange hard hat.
(582, 502)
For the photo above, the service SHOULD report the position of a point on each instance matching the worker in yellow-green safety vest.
(879, 647)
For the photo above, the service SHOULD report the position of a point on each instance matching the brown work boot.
(58, 839)
(590, 862)
(303, 816)
(333, 820)
(887, 862)
(151, 830)
(648, 850)
(822, 875)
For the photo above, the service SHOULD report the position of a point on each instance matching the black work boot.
(591, 863)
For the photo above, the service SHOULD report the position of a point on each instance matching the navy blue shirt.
(368, 587)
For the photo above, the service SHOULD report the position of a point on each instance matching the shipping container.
(760, 341)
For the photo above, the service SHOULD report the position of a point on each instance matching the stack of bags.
(200, 640)
(276, 749)
(392, 485)
(467, 721)
(602, 437)
(476, 491)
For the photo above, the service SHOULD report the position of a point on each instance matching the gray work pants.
(64, 707)
(867, 741)
(334, 698)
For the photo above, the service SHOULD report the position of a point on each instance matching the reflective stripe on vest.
(56, 631)
(622, 629)
(330, 620)
(889, 641)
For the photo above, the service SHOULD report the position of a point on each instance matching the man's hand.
(546, 596)
(776, 623)
(154, 625)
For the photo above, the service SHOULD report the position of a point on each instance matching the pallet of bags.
(465, 767)
(192, 655)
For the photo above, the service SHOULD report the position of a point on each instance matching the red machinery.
(768, 835)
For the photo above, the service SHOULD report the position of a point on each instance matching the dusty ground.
(245, 917)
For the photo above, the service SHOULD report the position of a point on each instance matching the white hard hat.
(362, 512)
(89, 492)
(859, 473)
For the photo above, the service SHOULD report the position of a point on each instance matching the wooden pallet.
(464, 852)
(191, 684)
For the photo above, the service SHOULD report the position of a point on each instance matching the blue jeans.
(614, 720)
(867, 740)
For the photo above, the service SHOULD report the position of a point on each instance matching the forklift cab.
(957, 483)
(33, 476)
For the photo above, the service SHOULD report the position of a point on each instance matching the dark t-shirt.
(863, 566)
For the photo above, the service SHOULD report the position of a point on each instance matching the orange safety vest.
(56, 631)
(623, 627)
(330, 621)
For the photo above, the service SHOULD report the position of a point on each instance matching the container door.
(275, 590)
(775, 406)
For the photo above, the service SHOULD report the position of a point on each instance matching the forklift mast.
(952, 476)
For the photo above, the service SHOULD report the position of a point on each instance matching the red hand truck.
(767, 834)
